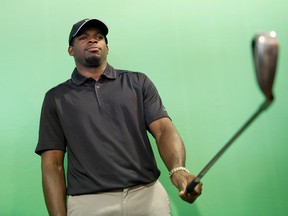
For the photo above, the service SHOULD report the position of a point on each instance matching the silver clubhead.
(265, 52)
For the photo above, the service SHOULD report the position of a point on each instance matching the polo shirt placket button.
(97, 93)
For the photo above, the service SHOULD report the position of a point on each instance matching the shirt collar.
(79, 79)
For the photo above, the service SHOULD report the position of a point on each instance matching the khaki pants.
(147, 200)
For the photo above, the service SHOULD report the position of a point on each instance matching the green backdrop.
(198, 53)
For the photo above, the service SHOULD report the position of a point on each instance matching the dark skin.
(90, 50)
(90, 53)
(53, 181)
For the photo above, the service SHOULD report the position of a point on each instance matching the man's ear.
(107, 49)
(71, 51)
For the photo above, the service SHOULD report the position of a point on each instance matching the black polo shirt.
(103, 126)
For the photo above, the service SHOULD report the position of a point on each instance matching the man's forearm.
(169, 143)
(172, 152)
(54, 188)
(171, 149)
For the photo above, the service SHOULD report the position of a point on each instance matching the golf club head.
(265, 52)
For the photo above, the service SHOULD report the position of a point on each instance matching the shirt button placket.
(97, 88)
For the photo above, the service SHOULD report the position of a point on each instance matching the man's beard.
(92, 61)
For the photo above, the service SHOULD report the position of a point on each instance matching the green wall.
(198, 53)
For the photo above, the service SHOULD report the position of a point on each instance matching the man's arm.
(53, 181)
(172, 152)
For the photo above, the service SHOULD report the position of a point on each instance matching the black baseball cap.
(85, 23)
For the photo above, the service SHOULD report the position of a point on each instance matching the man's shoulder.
(130, 74)
(60, 87)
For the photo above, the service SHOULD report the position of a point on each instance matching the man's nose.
(93, 40)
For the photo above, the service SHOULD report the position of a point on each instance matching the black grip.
(192, 185)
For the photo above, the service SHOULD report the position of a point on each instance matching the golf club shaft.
(196, 180)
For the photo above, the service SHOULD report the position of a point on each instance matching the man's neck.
(93, 72)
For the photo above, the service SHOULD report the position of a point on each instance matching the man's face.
(89, 48)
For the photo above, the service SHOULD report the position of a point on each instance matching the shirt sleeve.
(153, 106)
(51, 135)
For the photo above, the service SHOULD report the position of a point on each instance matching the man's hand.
(181, 179)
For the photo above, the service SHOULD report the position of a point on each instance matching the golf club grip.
(192, 185)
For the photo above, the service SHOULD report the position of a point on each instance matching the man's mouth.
(93, 49)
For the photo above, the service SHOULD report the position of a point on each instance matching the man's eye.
(100, 37)
(82, 37)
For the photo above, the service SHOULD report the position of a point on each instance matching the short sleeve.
(153, 106)
(51, 135)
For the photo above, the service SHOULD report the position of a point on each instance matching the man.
(101, 116)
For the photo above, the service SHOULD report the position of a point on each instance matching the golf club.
(265, 52)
